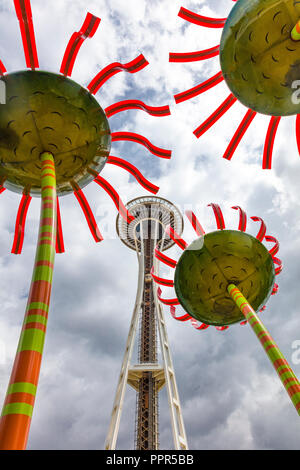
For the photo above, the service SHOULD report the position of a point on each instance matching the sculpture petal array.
(246, 268)
(259, 52)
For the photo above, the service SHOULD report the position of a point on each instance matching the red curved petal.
(140, 139)
(275, 289)
(269, 142)
(199, 89)
(2, 189)
(215, 116)
(218, 215)
(164, 259)
(279, 264)
(115, 197)
(196, 325)
(200, 20)
(298, 132)
(88, 215)
(183, 317)
(110, 70)
(20, 224)
(194, 56)
(157, 111)
(166, 301)
(243, 218)
(262, 231)
(60, 247)
(275, 248)
(161, 280)
(176, 238)
(244, 322)
(2, 68)
(195, 222)
(87, 30)
(134, 171)
(24, 14)
(240, 132)
(221, 328)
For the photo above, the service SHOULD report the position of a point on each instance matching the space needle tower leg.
(114, 425)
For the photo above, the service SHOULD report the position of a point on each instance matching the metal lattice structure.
(146, 235)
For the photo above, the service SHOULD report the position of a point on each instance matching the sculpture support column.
(280, 364)
(18, 406)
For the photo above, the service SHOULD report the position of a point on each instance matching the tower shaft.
(147, 403)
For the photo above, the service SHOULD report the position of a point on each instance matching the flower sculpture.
(259, 57)
(224, 277)
(55, 139)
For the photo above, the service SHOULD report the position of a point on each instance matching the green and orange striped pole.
(18, 406)
(280, 364)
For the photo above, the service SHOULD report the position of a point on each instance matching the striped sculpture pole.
(18, 406)
(285, 373)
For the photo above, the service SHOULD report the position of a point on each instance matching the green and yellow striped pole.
(18, 406)
(285, 373)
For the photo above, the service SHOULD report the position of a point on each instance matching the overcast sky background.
(230, 395)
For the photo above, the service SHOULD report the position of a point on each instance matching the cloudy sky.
(230, 395)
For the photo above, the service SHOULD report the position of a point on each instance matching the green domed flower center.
(214, 261)
(259, 59)
(46, 112)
